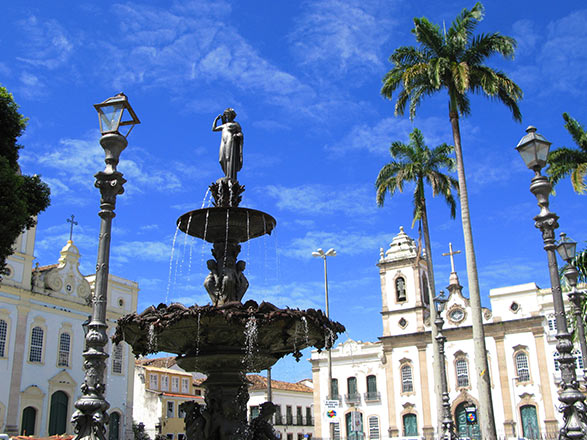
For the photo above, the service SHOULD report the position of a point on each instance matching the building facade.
(42, 310)
(294, 418)
(386, 389)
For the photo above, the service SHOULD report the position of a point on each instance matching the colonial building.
(294, 418)
(160, 387)
(386, 389)
(42, 339)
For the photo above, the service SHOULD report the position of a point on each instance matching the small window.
(522, 368)
(36, 352)
(253, 412)
(164, 383)
(309, 421)
(185, 385)
(402, 322)
(406, 376)
(552, 324)
(198, 392)
(170, 409)
(64, 348)
(153, 382)
(462, 373)
(335, 430)
(117, 358)
(3, 336)
(121, 304)
(578, 359)
(175, 384)
(373, 428)
(400, 289)
(352, 386)
(557, 366)
(514, 307)
(334, 388)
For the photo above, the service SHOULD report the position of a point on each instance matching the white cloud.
(324, 200)
(47, 43)
(152, 251)
(345, 242)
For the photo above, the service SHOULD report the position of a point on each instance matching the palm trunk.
(485, 410)
(433, 330)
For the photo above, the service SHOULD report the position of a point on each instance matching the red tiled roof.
(260, 383)
(162, 362)
(42, 269)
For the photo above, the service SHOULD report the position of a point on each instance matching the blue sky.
(304, 78)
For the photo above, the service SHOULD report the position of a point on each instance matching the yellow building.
(160, 387)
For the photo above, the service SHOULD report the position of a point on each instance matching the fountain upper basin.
(232, 224)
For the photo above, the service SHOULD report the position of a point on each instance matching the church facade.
(42, 310)
(386, 389)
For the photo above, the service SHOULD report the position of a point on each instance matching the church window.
(578, 359)
(410, 425)
(64, 349)
(58, 413)
(522, 367)
(551, 324)
(117, 354)
(36, 350)
(400, 289)
(406, 376)
(425, 290)
(3, 337)
(402, 322)
(29, 417)
(514, 307)
(114, 426)
(462, 369)
(373, 428)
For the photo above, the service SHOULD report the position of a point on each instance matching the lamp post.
(117, 119)
(447, 424)
(329, 253)
(533, 148)
(566, 249)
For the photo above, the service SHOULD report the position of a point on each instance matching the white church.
(42, 310)
(385, 389)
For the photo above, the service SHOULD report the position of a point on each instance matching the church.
(385, 389)
(42, 313)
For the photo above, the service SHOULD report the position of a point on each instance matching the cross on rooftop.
(73, 222)
(452, 260)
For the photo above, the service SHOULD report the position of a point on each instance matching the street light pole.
(330, 253)
(566, 249)
(447, 425)
(90, 418)
(534, 151)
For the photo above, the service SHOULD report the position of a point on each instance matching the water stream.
(152, 339)
(171, 264)
(251, 334)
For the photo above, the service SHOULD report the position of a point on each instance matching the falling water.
(152, 339)
(171, 264)
(306, 331)
(226, 239)
(190, 263)
(185, 239)
(250, 342)
(198, 336)
(205, 197)
(205, 233)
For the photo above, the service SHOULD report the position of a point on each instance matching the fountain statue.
(226, 339)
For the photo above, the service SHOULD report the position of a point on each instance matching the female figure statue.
(231, 144)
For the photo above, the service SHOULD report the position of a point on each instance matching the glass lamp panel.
(528, 153)
(542, 152)
(566, 248)
(110, 117)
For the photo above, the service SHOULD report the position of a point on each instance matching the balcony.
(372, 396)
(293, 421)
(353, 398)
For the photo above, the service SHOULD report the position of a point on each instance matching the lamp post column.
(329, 354)
(447, 425)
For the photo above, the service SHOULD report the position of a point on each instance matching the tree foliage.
(22, 197)
(564, 161)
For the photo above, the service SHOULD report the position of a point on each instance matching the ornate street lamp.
(116, 121)
(566, 248)
(447, 425)
(534, 151)
(329, 253)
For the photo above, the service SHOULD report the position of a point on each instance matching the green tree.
(415, 162)
(453, 60)
(21, 197)
(568, 161)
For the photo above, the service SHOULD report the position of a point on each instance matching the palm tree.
(453, 60)
(415, 162)
(565, 161)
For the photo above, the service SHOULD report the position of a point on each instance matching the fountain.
(226, 339)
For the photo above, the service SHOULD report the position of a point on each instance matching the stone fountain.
(226, 339)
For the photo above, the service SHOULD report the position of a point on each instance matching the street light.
(447, 425)
(329, 253)
(566, 248)
(533, 148)
(90, 417)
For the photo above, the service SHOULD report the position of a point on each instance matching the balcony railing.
(293, 421)
(353, 398)
(372, 396)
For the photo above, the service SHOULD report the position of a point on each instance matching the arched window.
(522, 367)
(406, 376)
(410, 422)
(425, 290)
(64, 348)
(29, 417)
(117, 359)
(400, 289)
(58, 413)
(114, 426)
(36, 351)
(3, 336)
(462, 369)
(373, 427)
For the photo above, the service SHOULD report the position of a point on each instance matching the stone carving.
(197, 420)
(261, 428)
(227, 192)
(226, 281)
(231, 143)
